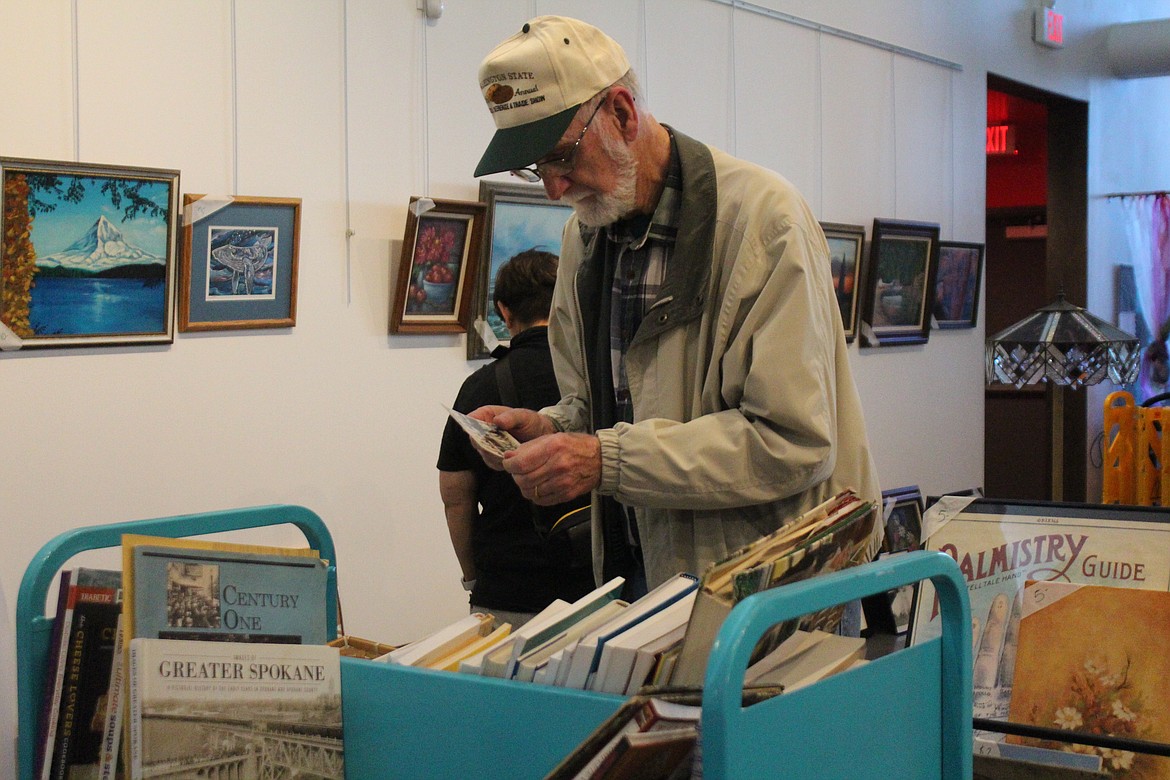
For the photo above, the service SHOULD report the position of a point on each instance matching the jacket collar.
(683, 292)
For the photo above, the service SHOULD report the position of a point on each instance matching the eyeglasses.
(557, 166)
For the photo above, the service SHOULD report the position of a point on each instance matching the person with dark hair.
(515, 557)
(707, 396)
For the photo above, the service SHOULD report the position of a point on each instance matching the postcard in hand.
(999, 545)
(87, 254)
(228, 596)
(487, 436)
(239, 262)
(217, 709)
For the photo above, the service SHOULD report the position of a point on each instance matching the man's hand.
(523, 424)
(556, 467)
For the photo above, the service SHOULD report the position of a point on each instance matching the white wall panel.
(37, 103)
(857, 132)
(155, 86)
(689, 75)
(778, 100)
(922, 143)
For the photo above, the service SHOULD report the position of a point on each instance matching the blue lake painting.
(69, 306)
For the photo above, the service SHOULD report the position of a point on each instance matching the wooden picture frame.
(846, 252)
(440, 252)
(87, 254)
(956, 287)
(239, 262)
(519, 217)
(899, 283)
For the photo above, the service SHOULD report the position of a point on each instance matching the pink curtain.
(1148, 230)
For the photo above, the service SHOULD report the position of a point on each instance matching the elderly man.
(706, 391)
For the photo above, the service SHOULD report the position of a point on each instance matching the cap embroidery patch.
(498, 93)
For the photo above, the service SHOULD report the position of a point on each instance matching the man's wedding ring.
(537, 491)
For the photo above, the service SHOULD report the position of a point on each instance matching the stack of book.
(603, 643)
(834, 535)
(176, 659)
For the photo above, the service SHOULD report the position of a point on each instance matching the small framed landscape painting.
(440, 252)
(846, 243)
(956, 289)
(899, 286)
(519, 217)
(239, 262)
(87, 253)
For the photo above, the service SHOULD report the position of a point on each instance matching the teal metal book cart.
(906, 715)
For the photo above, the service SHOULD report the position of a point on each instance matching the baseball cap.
(534, 82)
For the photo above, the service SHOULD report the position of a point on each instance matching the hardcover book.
(587, 653)
(225, 593)
(443, 642)
(617, 659)
(1093, 659)
(999, 545)
(95, 603)
(828, 537)
(232, 709)
(54, 678)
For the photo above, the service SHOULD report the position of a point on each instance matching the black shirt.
(516, 569)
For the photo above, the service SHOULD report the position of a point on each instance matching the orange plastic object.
(1118, 480)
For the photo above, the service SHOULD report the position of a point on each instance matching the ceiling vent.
(1139, 49)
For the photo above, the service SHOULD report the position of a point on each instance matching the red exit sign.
(1001, 139)
(1048, 29)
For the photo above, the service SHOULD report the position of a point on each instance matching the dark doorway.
(1037, 205)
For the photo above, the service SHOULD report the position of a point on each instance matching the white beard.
(596, 209)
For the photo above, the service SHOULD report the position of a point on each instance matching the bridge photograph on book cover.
(235, 709)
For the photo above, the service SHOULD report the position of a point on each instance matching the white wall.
(354, 106)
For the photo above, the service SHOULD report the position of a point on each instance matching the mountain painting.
(86, 253)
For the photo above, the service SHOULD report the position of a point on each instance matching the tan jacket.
(745, 409)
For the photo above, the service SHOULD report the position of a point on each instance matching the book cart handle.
(723, 718)
(33, 627)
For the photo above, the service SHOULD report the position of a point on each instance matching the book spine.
(115, 703)
(96, 612)
(54, 679)
(70, 694)
(135, 714)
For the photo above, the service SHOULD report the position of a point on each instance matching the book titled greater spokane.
(235, 709)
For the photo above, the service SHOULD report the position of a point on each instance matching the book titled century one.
(228, 595)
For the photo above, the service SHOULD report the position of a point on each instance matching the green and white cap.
(534, 82)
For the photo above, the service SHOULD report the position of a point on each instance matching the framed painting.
(902, 510)
(899, 283)
(846, 244)
(1001, 544)
(892, 612)
(440, 252)
(87, 253)
(519, 217)
(238, 266)
(956, 289)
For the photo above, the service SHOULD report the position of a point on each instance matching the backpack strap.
(506, 384)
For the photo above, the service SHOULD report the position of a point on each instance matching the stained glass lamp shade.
(1068, 347)
(1063, 344)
